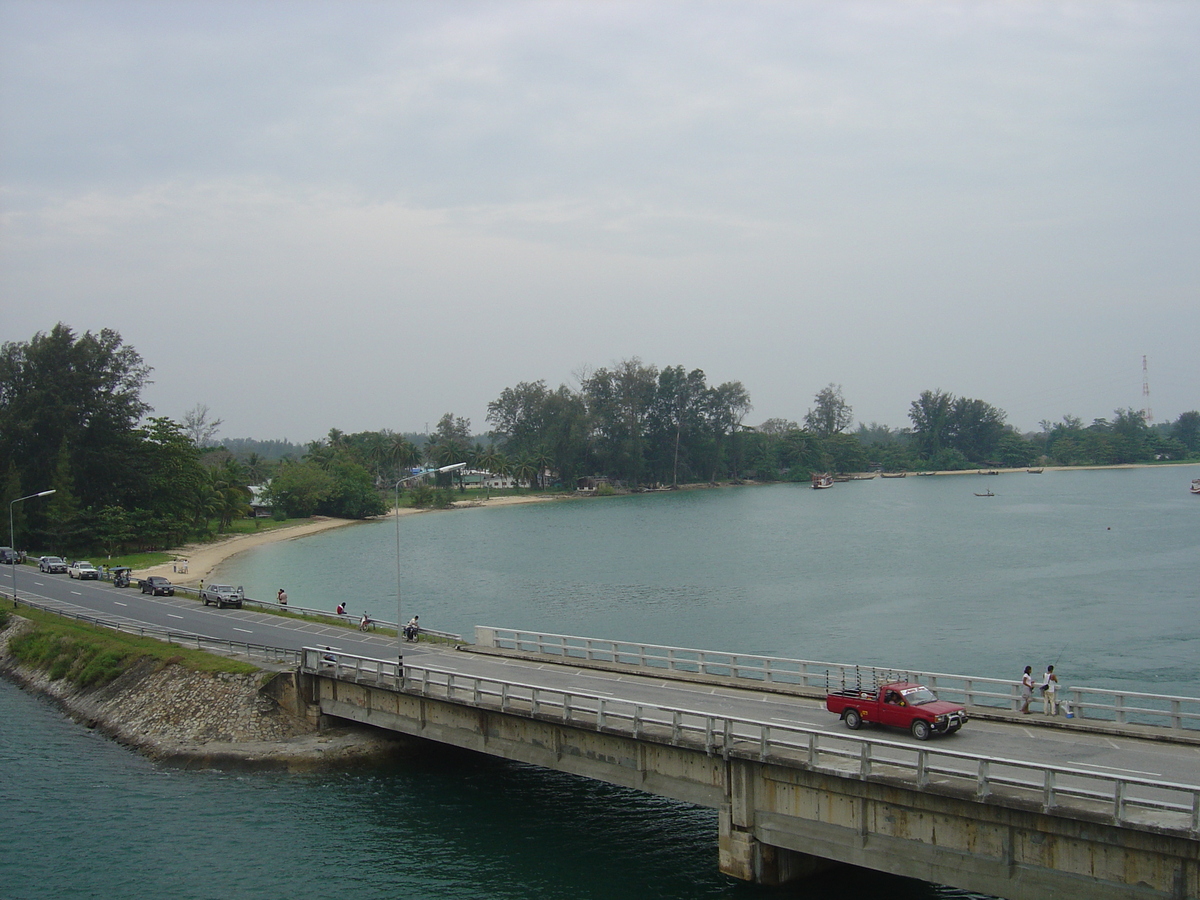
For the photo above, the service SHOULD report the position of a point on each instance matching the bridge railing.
(1125, 800)
(1099, 704)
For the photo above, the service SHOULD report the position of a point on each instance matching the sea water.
(1096, 569)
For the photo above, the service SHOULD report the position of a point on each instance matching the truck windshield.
(917, 696)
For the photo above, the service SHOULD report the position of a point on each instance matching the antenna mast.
(1146, 413)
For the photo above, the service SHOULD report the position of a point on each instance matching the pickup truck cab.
(900, 704)
(82, 569)
(222, 595)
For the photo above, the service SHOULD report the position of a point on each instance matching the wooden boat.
(1034, 471)
(988, 494)
(893, 474)
(988, 472)
(821, 481)
(862, 477)
(1196, 485)
(926, 474)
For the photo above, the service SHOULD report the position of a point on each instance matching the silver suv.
(222, 594)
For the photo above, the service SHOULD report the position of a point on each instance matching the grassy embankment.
(86, 655)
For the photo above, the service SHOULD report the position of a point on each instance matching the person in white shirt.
(1050, 692)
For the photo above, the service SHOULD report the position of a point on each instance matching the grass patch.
(87, 655)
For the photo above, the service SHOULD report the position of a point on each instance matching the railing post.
(1048, 800)
(983, 787)
(764, 741)
(676, 726)
(922, 770)
(727, 740)
(566, 708)
(812, 748)
(864, 759)
(1119, 707)
(1119, 801)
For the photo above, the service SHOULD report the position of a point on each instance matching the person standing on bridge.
(1050, 692)
(1026, 689)
(282, 597)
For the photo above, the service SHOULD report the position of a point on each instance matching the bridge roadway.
(1028, 739)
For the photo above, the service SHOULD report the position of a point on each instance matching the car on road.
(222, 595)
(82, 569)
(156, 586)
(55, 565)
(900, 704)
(9, 556)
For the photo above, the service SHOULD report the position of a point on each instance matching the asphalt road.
(1024, 740)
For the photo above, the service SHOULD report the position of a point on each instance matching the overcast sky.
(363, 215)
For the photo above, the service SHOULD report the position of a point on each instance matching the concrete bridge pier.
(742, 855)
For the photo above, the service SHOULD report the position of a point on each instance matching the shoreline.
(202, 559)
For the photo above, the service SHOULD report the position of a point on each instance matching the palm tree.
(544, 461)
(525, 469)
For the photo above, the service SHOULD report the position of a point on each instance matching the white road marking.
(119, 603)
(77, 593)
(245, 630)
(173, 616)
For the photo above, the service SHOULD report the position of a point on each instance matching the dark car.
(157, 586)
(9, 556)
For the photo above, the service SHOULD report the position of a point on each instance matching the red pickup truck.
(901, 704)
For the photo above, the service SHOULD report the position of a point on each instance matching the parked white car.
(82, 569)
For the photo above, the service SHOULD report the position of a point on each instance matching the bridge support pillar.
(745, 857)
(742, 854)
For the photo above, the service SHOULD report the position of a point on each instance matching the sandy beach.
(202, 558)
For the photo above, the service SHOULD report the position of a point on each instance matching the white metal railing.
(1126, 800)
(1097, 704)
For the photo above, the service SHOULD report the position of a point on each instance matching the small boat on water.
(1196, 485)
(988, 472)
(987, 494)
(821, 481)
(1034, 471)
(926, 473)
(893, 474)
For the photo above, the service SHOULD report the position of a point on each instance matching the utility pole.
(1146, 412)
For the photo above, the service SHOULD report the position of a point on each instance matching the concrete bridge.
(796, 794)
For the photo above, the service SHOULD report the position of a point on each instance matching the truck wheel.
(920, 729)
(853, 720)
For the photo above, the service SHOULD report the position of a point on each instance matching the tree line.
(72, 419)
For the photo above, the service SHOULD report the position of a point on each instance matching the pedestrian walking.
(1026, 689)
(1050, 692)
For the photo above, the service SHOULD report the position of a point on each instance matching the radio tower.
(1146, 413)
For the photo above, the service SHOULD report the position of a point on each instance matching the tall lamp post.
(399, 617)
(12, 537)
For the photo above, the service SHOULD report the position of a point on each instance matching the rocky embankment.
(174, 714)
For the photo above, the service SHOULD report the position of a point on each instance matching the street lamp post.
(12, 537)
(399, 618)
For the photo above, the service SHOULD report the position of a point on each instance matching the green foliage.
(87, 655)
(80, 661)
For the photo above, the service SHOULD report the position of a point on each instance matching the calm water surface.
(1096, 568)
